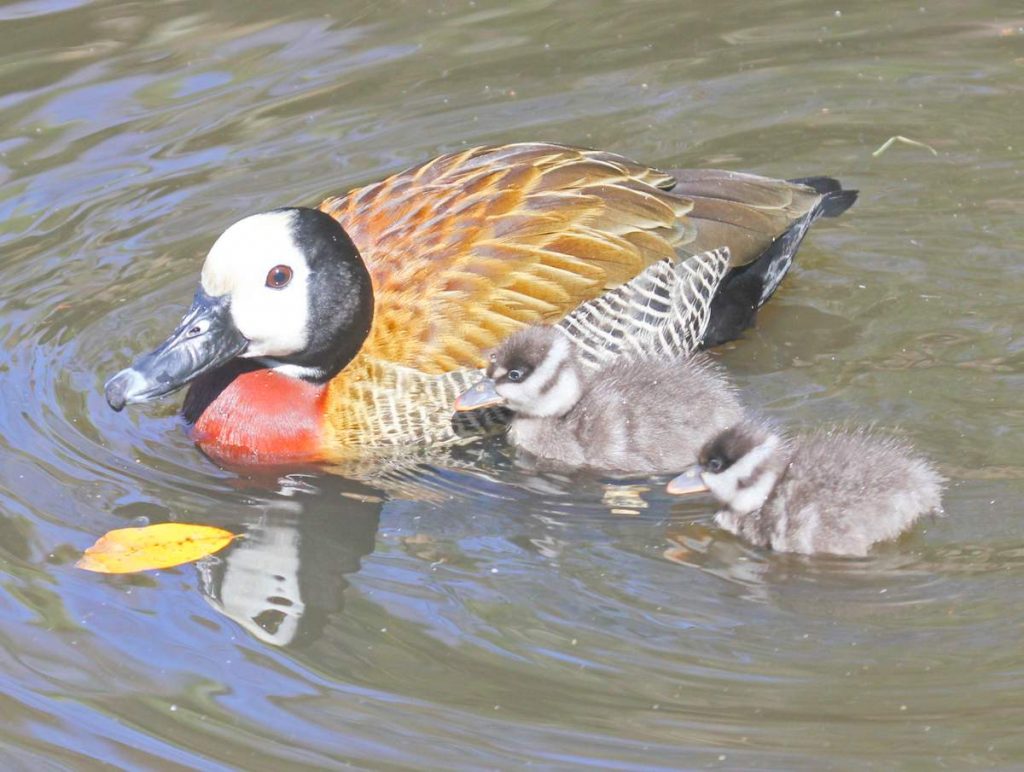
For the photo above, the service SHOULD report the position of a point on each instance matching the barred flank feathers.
(662, 311)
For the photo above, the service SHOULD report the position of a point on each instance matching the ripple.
(462, 610)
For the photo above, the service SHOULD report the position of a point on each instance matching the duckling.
(315, 333)
(632, 414)
(834, 492)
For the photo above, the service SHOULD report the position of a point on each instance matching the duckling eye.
(714, 465)
(516, 375)
(279, 276)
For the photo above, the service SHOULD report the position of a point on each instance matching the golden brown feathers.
(468, 248)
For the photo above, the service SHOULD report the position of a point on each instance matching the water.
(468, 614)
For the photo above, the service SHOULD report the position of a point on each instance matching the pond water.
(465, 614)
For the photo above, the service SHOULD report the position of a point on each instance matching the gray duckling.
(836, 492)
(631, 414)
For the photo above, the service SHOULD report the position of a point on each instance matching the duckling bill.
(836, 492)
(483, 395)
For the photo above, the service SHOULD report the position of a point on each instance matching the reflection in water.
(257, 584)
(287, 576)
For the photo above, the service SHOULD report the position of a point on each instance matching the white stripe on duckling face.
(560, 398)
(550, 390)
(743, 499)
(276, 321)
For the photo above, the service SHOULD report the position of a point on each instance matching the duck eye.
(279, 276)
(714, 465)
(516, 375)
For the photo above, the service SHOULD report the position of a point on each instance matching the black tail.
(834, 199)
(746, 288)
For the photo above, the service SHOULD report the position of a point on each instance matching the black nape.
(341, 302)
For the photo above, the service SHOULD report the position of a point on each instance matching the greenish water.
(474, 616)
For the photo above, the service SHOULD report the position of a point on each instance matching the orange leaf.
(125, 550)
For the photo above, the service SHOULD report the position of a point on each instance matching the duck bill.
(205, 338)
(688, 483)
(479, 396)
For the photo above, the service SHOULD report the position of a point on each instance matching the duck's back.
(845, 491)
(467, 248)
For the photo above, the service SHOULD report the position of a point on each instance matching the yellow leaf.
(125, 550)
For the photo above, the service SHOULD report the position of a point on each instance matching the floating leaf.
(126, 550)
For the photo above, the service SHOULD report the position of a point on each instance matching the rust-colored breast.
(262, 417)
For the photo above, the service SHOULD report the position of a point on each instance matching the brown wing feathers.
(467, 248)
(483, 241)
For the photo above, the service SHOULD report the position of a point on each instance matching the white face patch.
(753, 496)
(274, 320)
(551, 389)
(725, 486)
(560, 398)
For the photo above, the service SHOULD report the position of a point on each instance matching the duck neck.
(244, 415)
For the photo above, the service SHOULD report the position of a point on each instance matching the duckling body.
(634, 414)
(323, 333)
(833, 492)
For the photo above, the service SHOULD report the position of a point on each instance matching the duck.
(834, 491)
(323, 333)
(633, 405)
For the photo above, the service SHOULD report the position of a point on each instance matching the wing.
(471, 246)
(745, 212)
(663, 311)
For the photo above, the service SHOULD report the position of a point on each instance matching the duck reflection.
(288, 576)
(308, 531)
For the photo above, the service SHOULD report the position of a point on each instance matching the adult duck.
(321, 333)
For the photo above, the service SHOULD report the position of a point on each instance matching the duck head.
(286, 287)
(534, 373)
(739, 467)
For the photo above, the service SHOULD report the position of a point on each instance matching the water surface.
(468, 614)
